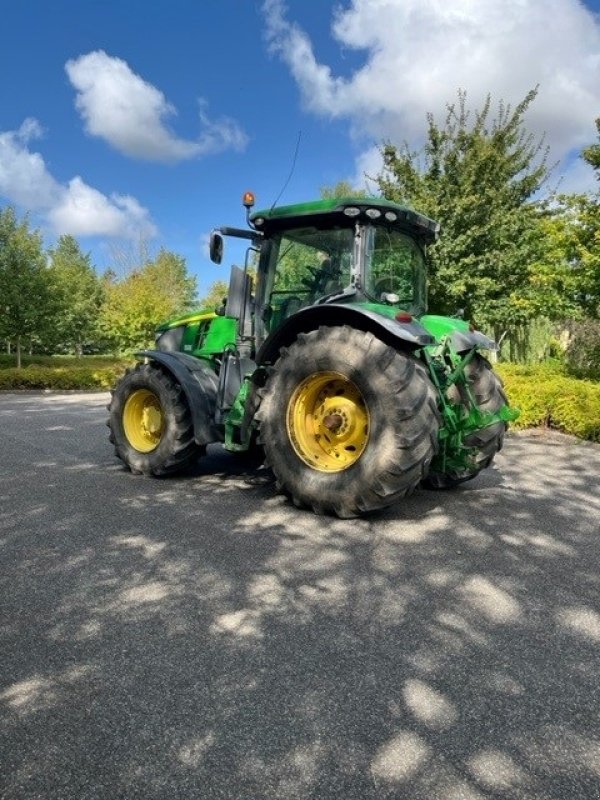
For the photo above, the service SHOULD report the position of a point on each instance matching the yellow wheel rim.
(328, 422)
(143, 420)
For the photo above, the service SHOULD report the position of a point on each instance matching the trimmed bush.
(546, 396)
(89, 362)
(60, 378)
(549, 398)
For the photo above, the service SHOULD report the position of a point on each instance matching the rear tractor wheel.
(150, 423)
(348, 424)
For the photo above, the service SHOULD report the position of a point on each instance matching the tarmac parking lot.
(199, 637)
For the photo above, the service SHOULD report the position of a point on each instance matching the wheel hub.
(328, 422)
(333, 422)
(143, 420)
(151, 419)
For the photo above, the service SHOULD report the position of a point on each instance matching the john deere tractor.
(326, 363)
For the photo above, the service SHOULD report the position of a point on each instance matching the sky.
(126, 121)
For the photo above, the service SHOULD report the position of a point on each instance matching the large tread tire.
(403, 430)
(177, 449)
(488, 391)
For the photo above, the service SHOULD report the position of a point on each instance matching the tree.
(168, 276)
(591, 154)
(341, 189)
(584, 211)
(572, 223)
(135, 305)
(477, 176)
(572, 257)
(79, 292)
(26, 291)
(217, 292)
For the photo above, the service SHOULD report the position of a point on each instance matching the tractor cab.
(366, 252)
(368, 264)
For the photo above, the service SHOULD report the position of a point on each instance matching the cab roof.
(344, 212)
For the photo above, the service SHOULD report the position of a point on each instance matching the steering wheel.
(385, 285)
(290, 306)
(321, 276)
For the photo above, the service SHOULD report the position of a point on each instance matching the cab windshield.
(394, 269)
(307, 265)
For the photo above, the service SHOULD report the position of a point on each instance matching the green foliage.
(548, 398)
(572, 226)
(63, 361)
(341, 189)
(61, 372)
(27, 295)
(476, 176)
(79, 296)
(217, 292)
(296, 266)
(582, 357)
(60, 378)
(591, 154)
(556, 278)
(573, 231)
(532, 343)
(135, 305)
(312, 263)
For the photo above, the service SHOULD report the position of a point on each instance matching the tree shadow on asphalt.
(205, 639)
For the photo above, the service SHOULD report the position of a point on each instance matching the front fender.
(467, 340)
(199, 383)
(408, 335)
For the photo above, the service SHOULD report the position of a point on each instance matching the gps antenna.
(289, 177)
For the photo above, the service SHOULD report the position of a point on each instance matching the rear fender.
(402, 336)
(199, 383)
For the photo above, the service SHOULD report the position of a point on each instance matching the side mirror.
(216, 247)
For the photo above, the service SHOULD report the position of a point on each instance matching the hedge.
(68, 361)
(549, 398)
(60, 378)
(544, 394)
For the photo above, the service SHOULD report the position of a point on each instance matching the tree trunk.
(19, 352)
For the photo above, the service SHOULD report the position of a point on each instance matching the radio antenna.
(289, 177)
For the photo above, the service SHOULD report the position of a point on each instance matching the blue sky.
(121, 120)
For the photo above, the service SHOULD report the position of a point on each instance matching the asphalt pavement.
(198, 637)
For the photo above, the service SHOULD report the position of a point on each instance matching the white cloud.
(84, 211)
(205, 245)
(24, 178)
(368, 164)
(74, 208)
(418, 53)
(131, 114)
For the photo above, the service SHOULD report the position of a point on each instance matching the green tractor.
(326, 364)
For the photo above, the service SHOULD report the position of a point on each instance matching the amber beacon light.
(248, 199)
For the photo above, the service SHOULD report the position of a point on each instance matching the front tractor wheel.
(348, 424)
(488, 393)
(150, 423)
